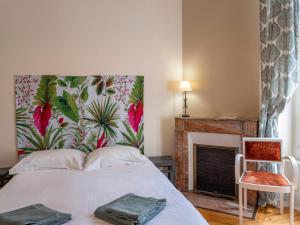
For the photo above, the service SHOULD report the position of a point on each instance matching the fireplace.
(212, 134)
(214, 170)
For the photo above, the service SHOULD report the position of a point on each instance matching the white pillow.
(112, 156)
(50, 159)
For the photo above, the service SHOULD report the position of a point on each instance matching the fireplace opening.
(214, 170)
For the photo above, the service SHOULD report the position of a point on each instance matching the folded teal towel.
(34, 215)
(130, 210)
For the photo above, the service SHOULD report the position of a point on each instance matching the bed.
(66, 113)
(81, 192)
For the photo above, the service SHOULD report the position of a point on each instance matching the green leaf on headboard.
(67, 105)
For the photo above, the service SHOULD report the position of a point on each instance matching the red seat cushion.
(264, 178)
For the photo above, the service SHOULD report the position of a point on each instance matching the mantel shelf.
(218, 118)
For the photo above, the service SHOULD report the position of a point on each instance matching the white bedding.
(81, 192)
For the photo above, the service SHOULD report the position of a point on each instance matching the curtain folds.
(279, 21)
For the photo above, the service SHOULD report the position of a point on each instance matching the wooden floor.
(264, 216)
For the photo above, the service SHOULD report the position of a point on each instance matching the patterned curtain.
(279, 71)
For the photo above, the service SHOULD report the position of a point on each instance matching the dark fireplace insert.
(214, 170)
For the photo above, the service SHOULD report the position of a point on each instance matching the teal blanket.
(34, 215)
(130, 210)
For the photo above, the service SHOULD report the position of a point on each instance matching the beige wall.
(221, 56)
(89, 37)
(217, 40)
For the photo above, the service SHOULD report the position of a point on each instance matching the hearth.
(214, 170)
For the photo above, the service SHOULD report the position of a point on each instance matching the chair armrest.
(295, 169)
(238, 167)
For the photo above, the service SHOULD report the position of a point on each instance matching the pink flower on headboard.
(135, 114)
(20, 152)
(102, 141)
(41, 117)
(61, 120)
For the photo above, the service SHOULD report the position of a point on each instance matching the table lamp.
(185, 86)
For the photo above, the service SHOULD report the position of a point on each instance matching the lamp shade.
(185, 86)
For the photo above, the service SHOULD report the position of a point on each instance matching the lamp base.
(185, 115)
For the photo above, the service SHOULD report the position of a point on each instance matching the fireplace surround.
(214, 131)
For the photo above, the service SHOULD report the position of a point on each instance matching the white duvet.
(81, 192)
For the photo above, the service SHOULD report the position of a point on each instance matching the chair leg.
(292, 206)
(245, 198)
(281, 203)
(240, 205)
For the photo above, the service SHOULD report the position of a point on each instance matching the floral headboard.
(78, 112)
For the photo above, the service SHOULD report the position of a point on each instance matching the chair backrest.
(262, 149)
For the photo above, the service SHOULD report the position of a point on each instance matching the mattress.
(81, 192)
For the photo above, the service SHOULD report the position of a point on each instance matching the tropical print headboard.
(78, 112)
